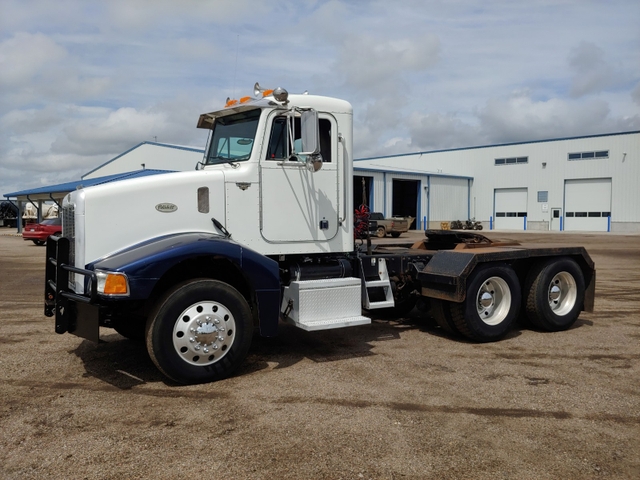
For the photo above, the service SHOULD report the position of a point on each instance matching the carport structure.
(55, 193)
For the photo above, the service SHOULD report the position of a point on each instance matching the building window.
(543, 196)
(589, 155)
(588, 214)
(511, 160)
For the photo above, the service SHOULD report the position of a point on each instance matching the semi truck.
(262, 232)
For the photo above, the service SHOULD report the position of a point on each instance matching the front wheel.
(38, 242)
(200, 331)
(381, 232)
(491, 305)
(554, 294)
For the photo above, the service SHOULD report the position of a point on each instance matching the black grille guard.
(57, 292)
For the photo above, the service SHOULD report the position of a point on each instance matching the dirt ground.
(393, 400)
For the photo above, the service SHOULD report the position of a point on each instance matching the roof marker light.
(280, 94)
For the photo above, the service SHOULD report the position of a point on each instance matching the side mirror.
(309, 133)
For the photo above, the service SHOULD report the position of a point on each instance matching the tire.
(39, 242)
(395, 234)
(403, 306)
(554, 292)
(200, 331)
(132, 327)
(381, 232)
(441, 312)
(492, 303)
(479, 227)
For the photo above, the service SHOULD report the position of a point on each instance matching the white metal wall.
(587, 204)
(546, 169)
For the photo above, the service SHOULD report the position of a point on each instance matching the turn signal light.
(112, 283)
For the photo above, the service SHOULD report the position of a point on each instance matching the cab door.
(298, 205)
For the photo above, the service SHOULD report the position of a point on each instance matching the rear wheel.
(491, 305)
(200, 332)
(395, 234)
(554, 294)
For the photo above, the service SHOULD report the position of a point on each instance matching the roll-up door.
(510, 208)
(448, 200)
(587, 204)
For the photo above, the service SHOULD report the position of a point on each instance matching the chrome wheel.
(204, 333)
(562, 293)
(493, 300)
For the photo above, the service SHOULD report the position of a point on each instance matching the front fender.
(146, 263)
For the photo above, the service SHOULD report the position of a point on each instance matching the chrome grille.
(69, 231)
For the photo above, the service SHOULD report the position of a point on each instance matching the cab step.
(370, 300)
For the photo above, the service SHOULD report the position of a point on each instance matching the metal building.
(585, 183)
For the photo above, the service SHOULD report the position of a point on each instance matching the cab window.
(278, 142)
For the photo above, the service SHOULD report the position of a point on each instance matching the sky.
(82, 81)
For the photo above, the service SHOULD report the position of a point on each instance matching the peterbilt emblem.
(243, 185)
(166, 207)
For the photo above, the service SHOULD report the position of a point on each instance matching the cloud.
(377, 65)
(435, 131)
(635, 94)
(521, 118)
(25, 56)
(592, 73)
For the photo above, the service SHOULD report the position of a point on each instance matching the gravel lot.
(394, 400)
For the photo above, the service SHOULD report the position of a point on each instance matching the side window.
(279, 145)
(325, 140)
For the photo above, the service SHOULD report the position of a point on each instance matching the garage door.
(587, 204)
(510, 208)
(448, 200)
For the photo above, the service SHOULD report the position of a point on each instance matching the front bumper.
(74, 313)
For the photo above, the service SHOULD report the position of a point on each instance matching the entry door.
(555, 223)
(298, 205)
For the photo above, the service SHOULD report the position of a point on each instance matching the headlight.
(112, 283)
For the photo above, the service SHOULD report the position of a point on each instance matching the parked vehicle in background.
(8, 215)
(38, 233)
(472, 224)
(394, 225)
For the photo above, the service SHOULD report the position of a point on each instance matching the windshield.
(233, 137)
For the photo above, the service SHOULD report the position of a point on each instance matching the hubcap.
(493, 301)
(562, 293)
(204, 333)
